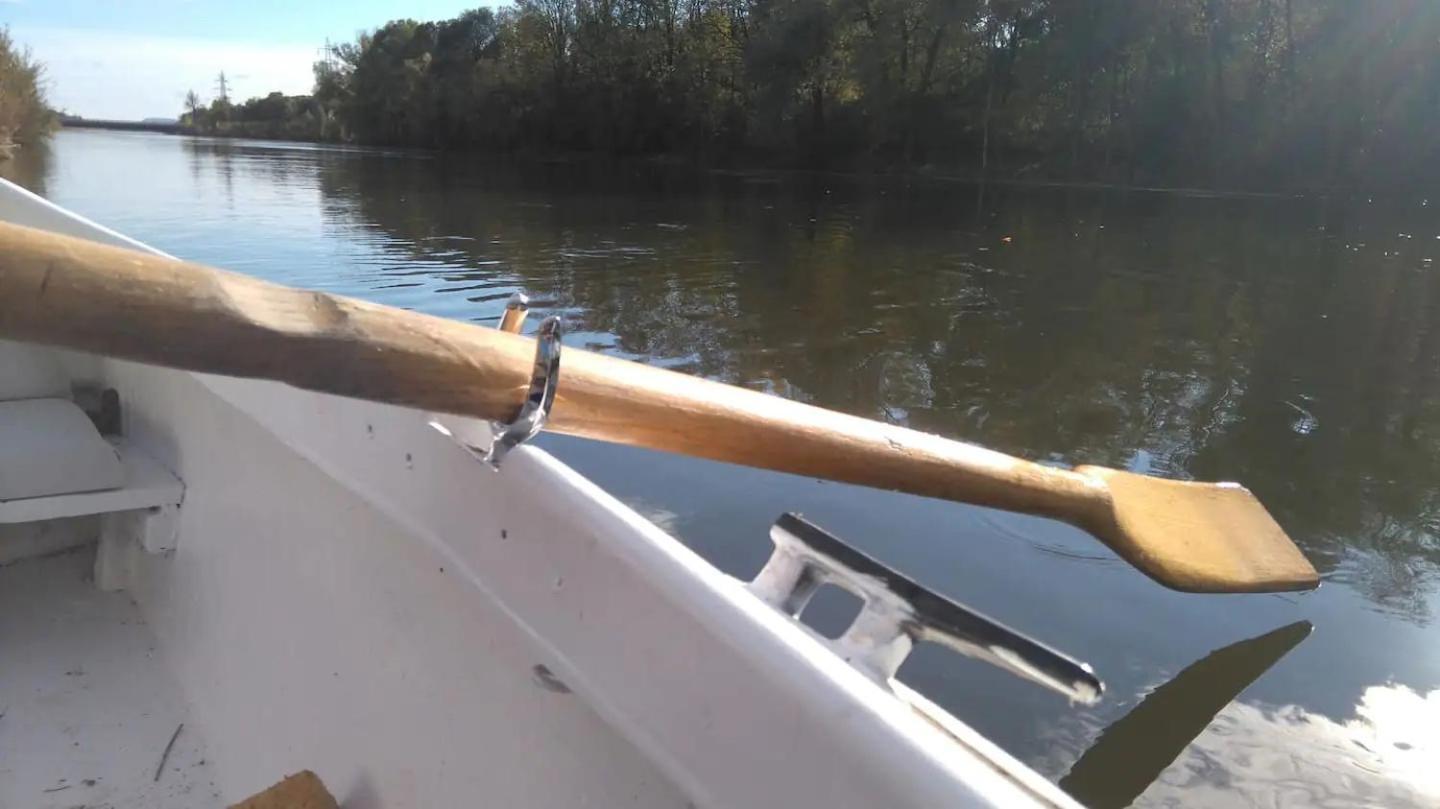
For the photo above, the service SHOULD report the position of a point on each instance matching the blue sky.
(137, 58)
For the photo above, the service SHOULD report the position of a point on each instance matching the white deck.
(87, 703)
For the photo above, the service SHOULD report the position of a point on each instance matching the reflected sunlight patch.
(1387, 755)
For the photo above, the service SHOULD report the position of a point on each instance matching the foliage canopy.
(1206, 92)
(24, 115)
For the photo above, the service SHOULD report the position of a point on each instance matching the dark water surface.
(1290, 344)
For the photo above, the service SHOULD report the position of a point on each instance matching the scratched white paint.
(88, 705)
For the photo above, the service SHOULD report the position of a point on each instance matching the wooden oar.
(69, 292)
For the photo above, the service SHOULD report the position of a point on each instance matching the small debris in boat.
(160, 768)
(503, 535)
(56, 789)
(547, 679)
(75, 673)
(90, 782)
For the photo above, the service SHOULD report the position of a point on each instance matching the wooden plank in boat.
(303, 790)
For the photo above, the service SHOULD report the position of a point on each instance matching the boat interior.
(90, 708)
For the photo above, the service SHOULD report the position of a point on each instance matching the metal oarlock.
(898, 613)
(543, 378)
(515, 311)
(531, 419)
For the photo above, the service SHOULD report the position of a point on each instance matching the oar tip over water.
(1199, 537)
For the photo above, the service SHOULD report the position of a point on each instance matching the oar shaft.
(81, 295)
(616, 400)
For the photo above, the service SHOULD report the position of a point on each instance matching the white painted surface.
(356, 595)
(141, 483)
(24, 540)
(682, 659)
(88, 703)
(50, 447)
(27, 372)
(310, 631)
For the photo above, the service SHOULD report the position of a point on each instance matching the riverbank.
(759, 166)
(259, 130)
(76, 122)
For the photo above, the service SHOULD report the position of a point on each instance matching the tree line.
(1242, 93)
(272, 116)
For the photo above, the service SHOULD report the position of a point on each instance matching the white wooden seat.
(48, 446)
(146, 485)
(54, 464)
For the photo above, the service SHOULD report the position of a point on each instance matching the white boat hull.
(352, 593)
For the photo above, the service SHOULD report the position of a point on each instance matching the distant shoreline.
(169, 128)
(928, 173)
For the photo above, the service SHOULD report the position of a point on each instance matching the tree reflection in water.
(28, 166)
(1289, 344)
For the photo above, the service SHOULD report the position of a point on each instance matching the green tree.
(25, 117)
(195, 112)
(1206, 92)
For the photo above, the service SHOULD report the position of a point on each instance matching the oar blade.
(1199, 537)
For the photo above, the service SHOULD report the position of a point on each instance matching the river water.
(1291, 344)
